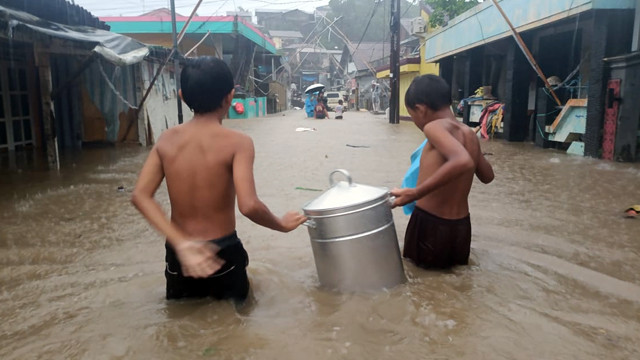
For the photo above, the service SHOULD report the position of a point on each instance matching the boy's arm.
(484, 171)
(149, 180)
(248, 202)
(457, 161)
(197, 258)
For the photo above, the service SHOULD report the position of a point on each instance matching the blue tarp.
(310, 77)
(411, 177)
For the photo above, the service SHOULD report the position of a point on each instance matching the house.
(357, 68)
(214, 35)
(312, 64)
(570, 41)
(250, 54)
(285, 38)
(322, 11)
(243, 15)
(65, 79)
(290, 20)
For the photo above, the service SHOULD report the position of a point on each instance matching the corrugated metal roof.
(368, 52)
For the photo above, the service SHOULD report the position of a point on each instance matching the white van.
(332, 99)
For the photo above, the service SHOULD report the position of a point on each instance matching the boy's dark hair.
(340, 102)
(204, 82)
(429, 90)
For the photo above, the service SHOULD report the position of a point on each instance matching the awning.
(483, 23)
(118, 49)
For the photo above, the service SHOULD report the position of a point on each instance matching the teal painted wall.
(196, 27)
(164, 27)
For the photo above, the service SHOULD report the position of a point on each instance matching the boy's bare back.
(447, 138)
(439, 231)
(206, 167)
(198, 163)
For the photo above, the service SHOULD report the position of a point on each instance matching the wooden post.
(44, 70)
(199, 43)
(527, 53)
(186, 24)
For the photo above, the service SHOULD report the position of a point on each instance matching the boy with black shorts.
(206, 166)
(439, 231)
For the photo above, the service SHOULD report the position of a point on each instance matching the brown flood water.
(554, 274)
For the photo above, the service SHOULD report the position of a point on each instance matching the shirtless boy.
(439, 231)
(206, 167)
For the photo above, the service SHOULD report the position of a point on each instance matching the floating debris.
(307, 189)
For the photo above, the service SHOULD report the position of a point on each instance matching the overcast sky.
(184, 7)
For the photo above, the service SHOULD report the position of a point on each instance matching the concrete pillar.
(627, 68)
(143, 131)
(635, 45)
(516, 98)
(457, 78)
(597, 84)
(474, 66)
(446, 69)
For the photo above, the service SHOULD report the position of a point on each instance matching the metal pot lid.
(344, 194)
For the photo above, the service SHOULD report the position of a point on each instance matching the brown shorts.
(434, 242)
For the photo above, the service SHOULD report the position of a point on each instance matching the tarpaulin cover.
(410, 179)
(116, 48)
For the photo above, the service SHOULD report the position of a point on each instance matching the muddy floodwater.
(554, 274)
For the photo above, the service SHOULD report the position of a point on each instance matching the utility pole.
(176, 59)
(394, 70)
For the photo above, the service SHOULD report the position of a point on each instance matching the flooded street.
(554, 268)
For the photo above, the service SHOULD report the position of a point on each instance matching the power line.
(408, 8)
(210, 16)
(375, 7)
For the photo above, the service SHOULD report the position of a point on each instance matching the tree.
(445, 10)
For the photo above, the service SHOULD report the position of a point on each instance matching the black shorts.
(434, 242)
(229, 282)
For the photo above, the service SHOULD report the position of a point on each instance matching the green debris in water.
(209, 351)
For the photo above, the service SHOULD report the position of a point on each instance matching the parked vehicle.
(332, 99)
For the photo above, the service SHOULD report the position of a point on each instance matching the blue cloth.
(410, 179)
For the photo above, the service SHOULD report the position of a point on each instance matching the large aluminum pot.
(353, 237)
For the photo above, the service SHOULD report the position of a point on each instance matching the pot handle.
(391, 200)
(310, 223)
(343, 172)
